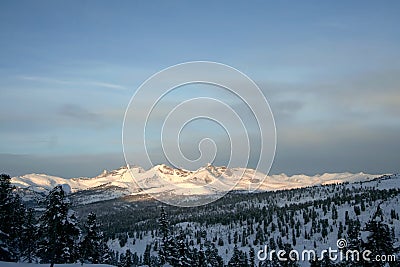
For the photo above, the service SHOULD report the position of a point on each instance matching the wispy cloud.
(42, 79)
(107, 85)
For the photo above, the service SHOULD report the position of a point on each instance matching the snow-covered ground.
(317, 241)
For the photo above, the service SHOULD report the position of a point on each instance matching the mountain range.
(208, 180)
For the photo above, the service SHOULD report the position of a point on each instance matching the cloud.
(41, 79)
(77, 112)
(341, 148)
(371, 97)
(107, 85)
(286, 109)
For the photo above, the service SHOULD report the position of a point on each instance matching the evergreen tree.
(353, 235)
(93, 248)
(184, 258)
(115, 258)
(6, 199)
(315, 263)
(235, 260)
(380, 241)
(252, 257)
(293, 238)
(12, 213)
(135, 259)
(155, 261)
(201, 258)
(108, 256)
(244, 260)
(326, 261)
(211, 255)
(5, 253)
(168, 250)
(18, 216)
(28, 237)
(354, 242)
(58, 230)
(121, 259)
(164, 230)
(274, 262)
(146, 255)
(126, 259)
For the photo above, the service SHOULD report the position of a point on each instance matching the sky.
(329, 69)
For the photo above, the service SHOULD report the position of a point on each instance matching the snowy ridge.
(161, 178)
(43, 183)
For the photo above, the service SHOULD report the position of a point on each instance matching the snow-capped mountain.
(162, 178)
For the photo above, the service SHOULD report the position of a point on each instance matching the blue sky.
(330, 70)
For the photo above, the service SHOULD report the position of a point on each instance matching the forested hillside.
(137, 231)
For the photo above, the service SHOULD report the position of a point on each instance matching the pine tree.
(18, 216)
(340, 230)
(235, 260)
(315, 263)
(108, 256)
(115, 258)
(168, 249)
(380, 241)
(354, 242)
(135, 259)
(184, 255)
(12, 213)
(293, 238)
(164, 230)
(58, 230)
(274, 262)
(252, 257)
(289, 263)
(146, 255)
(126, 260)
(326, 261)
(4, 248)
(244, 260)
(201, 258)
(211, 255)
(28, 237)
(6, 253)
(92, 248)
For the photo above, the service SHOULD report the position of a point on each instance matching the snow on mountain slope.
(211, 179)
(162, 179)
(43, 183)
